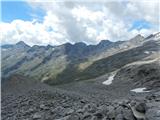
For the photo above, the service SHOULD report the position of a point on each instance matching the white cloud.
(82, 21)
(91, 32)
(30, 32)
(82, 13)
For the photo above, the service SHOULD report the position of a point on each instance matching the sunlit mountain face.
(80, 60)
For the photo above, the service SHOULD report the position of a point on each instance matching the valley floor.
(85, 100)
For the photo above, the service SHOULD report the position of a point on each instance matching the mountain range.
(108, 81)
(74, 62)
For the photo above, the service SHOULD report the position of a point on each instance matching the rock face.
(119, 60)
(140, 74)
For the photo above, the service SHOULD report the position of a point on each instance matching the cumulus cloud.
(29, 32)
(87, 22)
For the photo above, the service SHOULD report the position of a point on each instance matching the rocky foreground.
(41, 102)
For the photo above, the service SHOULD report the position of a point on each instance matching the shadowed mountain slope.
(70, 62)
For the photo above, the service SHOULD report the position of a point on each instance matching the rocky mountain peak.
(22, 44)
(137, 39)
(155, 36)
(66, 44)
(104, 43)
(80, 44)
(150, 36)
(139, 36)
(49, 46)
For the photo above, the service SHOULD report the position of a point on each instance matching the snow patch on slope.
(139, 90)
(146, 52)
(109, 80)
(44, 79)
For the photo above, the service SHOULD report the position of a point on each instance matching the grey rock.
(128, 115)
(153, 111)
(125, 104)
(90, 108)
(111, 112)
(141, 107)
(68, 111)
(98, 115)
(153, 114)
(58, 110)
(119, 117)
(103, 109)
(64, 118)
(74, 117)
(43, 107)
(30, 111)
(119, 110)
(94, 118)
(87, 116)
(80, 111)
(152, 104)
(36, 116)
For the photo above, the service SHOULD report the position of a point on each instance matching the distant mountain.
(22, 44)
(104, 43)
(7, 46)
(70, 62)
(116, 61)
(155, 36)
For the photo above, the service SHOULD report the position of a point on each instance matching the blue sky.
(140, 24)
(12, 10)
(59, 22)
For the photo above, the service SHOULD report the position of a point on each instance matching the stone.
(119, 117)
(128, 115)
(153, 114)
(64, 118)
(153, 111)
(103, 109)
(111, 112)
(90, 108)
(28, 112)
(80, 111)
(43, 107)
(94, 118)
(82, 101)
(87, 116)
(74, 117)
(98, 115)
(141, 107)
(125, 104)
(119, 110)
(36, 116)
(58, 110)
(68, 111)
